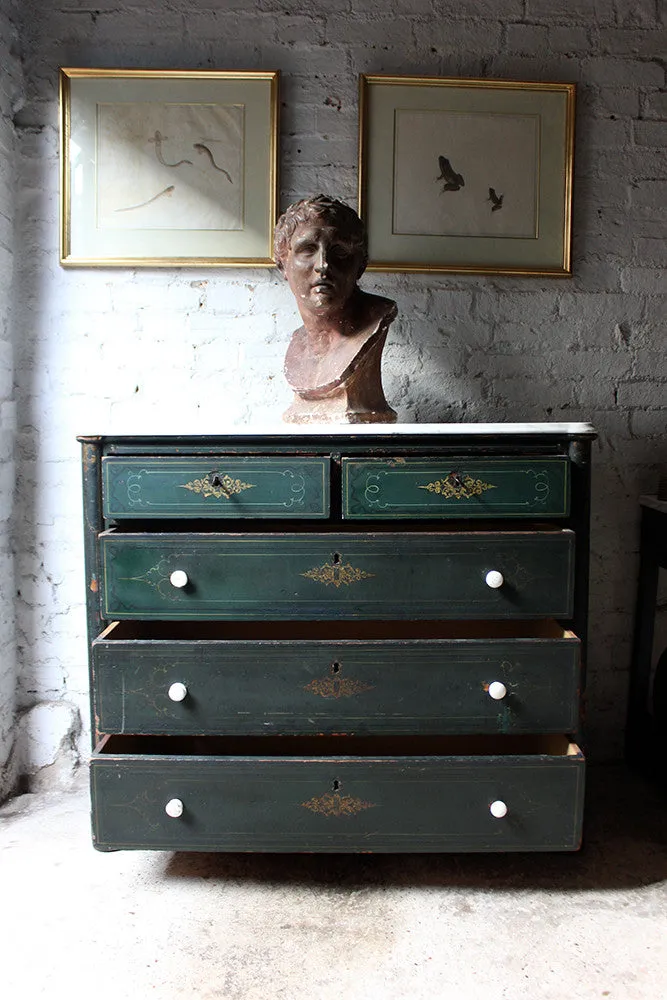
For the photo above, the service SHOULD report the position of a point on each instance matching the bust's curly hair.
(332, 211)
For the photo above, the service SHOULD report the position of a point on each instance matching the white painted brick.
(575, 12)
(644, 280)
(654, 105)
(622, 73)
(652, 251)
(648, 425)
(644, 394)
(461, 36)
(651, 133)
(570, 39)
(633, 42)
(651, 363)
(527, 39)
(606, 134)
(512, 10)
(622, 101)
(224, 298)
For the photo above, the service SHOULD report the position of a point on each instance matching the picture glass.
(457, 185)
(470, 176)
(169, 166)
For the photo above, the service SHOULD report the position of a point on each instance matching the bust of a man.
(333, 360)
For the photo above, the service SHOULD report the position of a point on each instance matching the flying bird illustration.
(453, 181)
(496, 200)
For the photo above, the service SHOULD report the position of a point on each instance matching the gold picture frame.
(168, 168)
(465, 175)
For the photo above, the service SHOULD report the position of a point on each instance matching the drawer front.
(312, 577)
(380, 687)
(455, 487)
(349, 804)
(209, 487)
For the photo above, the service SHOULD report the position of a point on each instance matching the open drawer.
(333, 795)
(343, 677)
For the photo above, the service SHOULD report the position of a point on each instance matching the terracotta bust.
(333, 360)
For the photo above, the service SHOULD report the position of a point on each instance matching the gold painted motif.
(221, 486)
(337, 687)
(335, 804)
(337, 574)
(458, 488)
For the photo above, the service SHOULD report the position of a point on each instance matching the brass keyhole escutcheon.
(219, 481)
(335, 667)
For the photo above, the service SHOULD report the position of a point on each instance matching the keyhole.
(335, 668)
(336, 558)
(336, 785)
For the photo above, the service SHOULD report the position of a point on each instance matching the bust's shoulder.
(377, 307)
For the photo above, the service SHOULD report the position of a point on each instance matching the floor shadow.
(625, 847)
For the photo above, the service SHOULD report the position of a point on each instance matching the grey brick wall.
(10, 91)
(188, 351)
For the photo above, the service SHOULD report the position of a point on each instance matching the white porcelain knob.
(178, 691)
(494, 579)
(498, 809)
(174, 808)
(497, 690)
(178, 578)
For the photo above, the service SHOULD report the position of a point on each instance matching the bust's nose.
(322, 258)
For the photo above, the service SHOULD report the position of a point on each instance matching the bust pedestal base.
(335, 409)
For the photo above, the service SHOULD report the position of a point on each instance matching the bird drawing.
(496, 200)
(453, 181)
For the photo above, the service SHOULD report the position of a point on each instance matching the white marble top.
(398, 429)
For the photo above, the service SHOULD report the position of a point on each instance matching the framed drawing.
(471, 176)
(167, 168)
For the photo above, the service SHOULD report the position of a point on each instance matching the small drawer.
(356, 678)
(455, 488)
(215, 487)
(333, 795)
(403, 575)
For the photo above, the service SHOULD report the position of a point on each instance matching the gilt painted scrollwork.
(455, 487)
(337, 574)
(335, 804)
(215, 485)
(337, 687)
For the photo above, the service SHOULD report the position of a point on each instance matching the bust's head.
(334, 213)
(320, 246)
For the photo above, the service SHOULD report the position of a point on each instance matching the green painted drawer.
(406, 575)
(421, 794)
(455, 487)
(372, 678)
(215, 487)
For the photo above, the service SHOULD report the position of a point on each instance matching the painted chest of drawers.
(366, 639)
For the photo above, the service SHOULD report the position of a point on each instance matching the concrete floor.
(75, 923)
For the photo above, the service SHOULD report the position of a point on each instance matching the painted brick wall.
(194, 351)
(10, 94)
